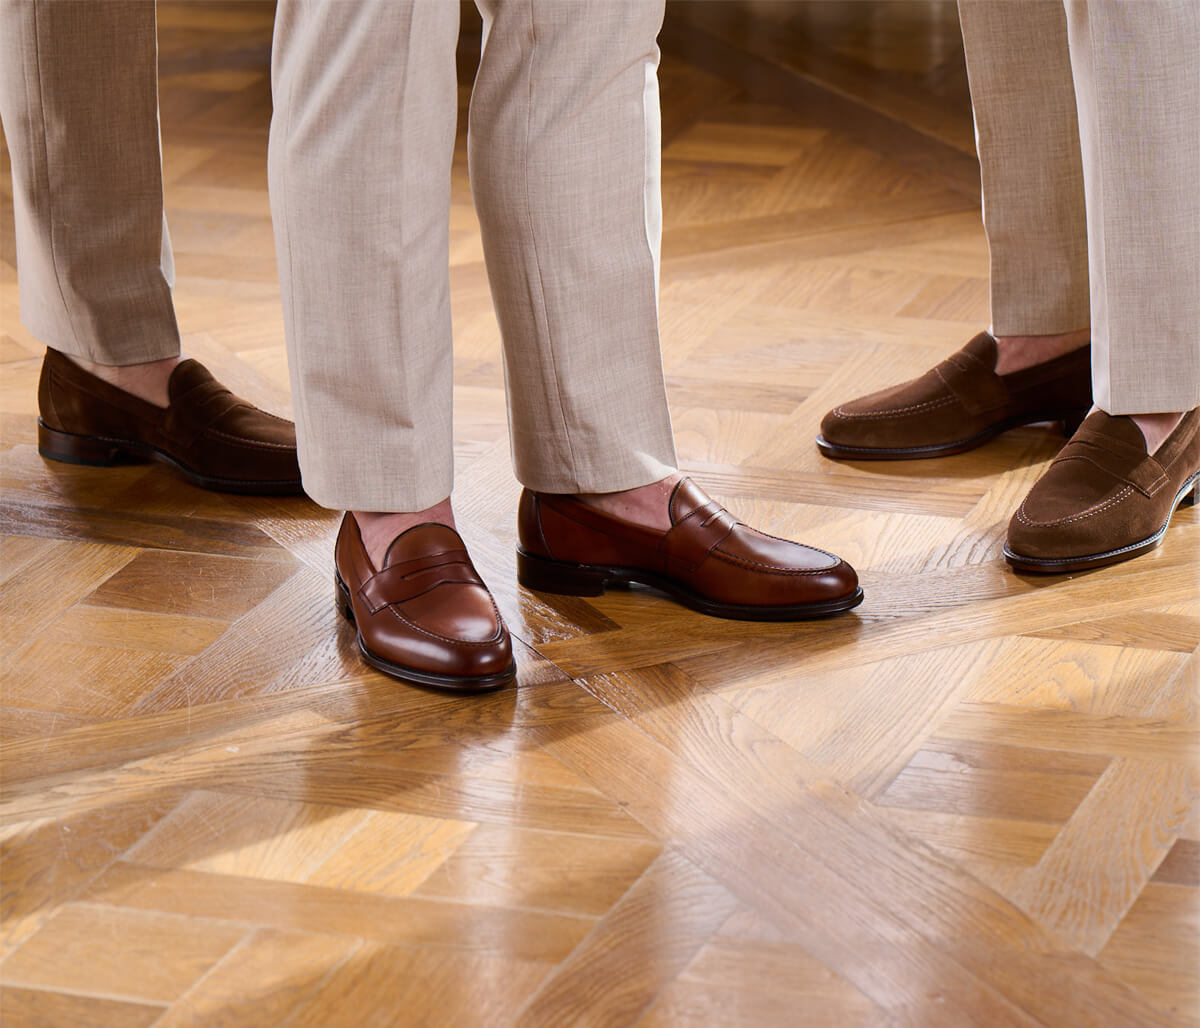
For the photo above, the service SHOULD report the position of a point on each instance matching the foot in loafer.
(971, 397)
(211, 437)
(422, 613)
(1108, 496)
(699, 554)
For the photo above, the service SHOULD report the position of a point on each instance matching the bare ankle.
(644, 505)
(147, 381)
(380, 530)
(1156, 427)
(1015, 353)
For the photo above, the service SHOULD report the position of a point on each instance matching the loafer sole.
(1069, 420)
(416, 676)
(1188, 496)
(568, 579)
(95, 451)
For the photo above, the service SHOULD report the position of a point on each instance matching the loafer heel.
(552, 576)
(69, 448)
(1191, 498)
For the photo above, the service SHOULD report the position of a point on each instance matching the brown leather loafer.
(426, 617)
(960, 404)
(1104, 499)
(212, 438)
(707, 560)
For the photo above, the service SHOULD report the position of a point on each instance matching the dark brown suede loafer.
(707, 560)
(426, 617)
(1104, 499)
(212, 438)
(960, 404)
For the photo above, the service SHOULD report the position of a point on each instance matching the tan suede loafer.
(213, 439)
(1104, 499)
(426, 617)
(958, 405)
(707, 560)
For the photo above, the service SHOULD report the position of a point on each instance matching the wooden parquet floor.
(973, 801)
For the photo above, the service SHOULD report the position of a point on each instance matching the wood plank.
(647, 937)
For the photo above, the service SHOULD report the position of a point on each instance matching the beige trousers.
(1088, 123)
(564, 160)
(79, 103)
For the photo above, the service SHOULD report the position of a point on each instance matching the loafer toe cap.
(441, 655)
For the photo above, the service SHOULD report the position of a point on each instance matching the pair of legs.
(95, 257)
(1089, 138)
(563, 152)
(1089, 144)
(79, 102)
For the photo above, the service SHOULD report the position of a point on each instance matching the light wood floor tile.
(47, 862)
(38, 1008)
(1157, 949)
(421, 987)
(735, 982)
(574, 873)
(246, 836)
(393, 853)
(413, 921)
(262, 980)
(639, 946)
(119, 954)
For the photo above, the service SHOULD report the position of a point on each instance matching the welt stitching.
(841, 412)
(1090, 512)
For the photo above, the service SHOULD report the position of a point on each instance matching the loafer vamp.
(455, 630)
(922, 412)
(751, 568)
(1075, 509)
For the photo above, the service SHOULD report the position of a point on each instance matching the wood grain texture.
(972, 801)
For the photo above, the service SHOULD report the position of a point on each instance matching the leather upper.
(426, 609)
(960, 398)
(706, 549)
(1104, 491)
(205, 427)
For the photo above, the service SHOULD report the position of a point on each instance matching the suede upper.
(1104, 492)
(957, 404)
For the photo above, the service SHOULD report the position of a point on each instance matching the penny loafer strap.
(974, 385)
(400, 583)
(204, 404)
(1146, 475)
(693, 538)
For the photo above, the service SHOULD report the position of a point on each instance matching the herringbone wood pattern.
(972, 801)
